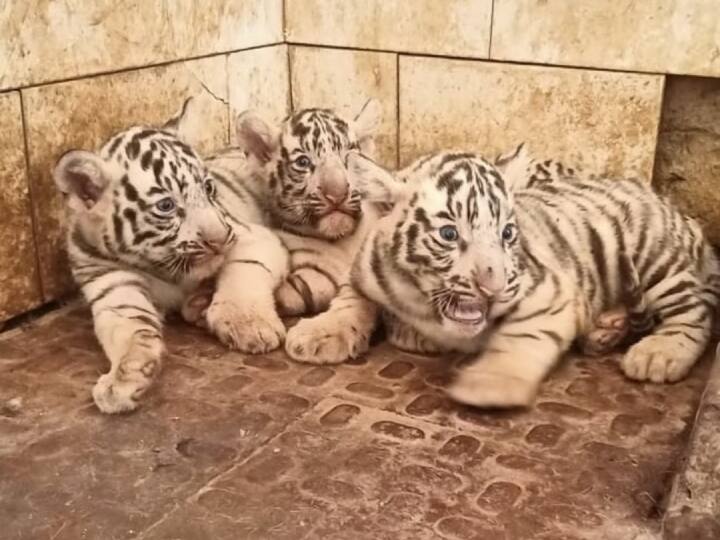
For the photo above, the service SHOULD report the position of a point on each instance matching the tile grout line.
(290, 102)
(228, 111)
(31, 198)
(397, 111)
(529, 63)
(492, 22)
(104, 73)
(658, 131)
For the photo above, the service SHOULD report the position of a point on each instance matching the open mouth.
(468, 310)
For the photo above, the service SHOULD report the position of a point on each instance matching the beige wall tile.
(688, 153)
(46, 40)
(602, 120)
(344, 80)
(84, 113)
(259, 80)
(19, 285)
(452, 27)
(666, 36)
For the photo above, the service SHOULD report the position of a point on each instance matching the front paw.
(194, 308)
(246, 329)
(289, 302)
(483, 388)
(120, 390)
(315, 341)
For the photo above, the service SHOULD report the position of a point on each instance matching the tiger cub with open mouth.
(514, 277)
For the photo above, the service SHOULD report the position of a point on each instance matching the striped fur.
(621, 324)
(321, 219)
(148, 221)
(516, 277)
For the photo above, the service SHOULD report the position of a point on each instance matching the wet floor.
(233, 446)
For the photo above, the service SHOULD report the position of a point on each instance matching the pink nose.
(334, 187)
(489, 280)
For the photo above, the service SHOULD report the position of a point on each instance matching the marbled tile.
(605, 121)
(84, 113)
(46, 40)
(666, 36)
(19, 284)
(688, 152)
(344, 80)
(451, 27)
(259, 80)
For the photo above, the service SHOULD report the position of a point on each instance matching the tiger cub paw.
(194, 308)
(610, 328)
(120, 390)
(481, 388)
(658, 359)
(315, 341)
(245, 329)
(288, 301)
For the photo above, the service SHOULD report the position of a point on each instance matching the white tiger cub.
(321, 219)
(516, 277)
(148, 220)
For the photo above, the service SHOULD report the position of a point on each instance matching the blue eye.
(449, 233)
(302, 162)
(508, 232)
(165, 205)
(209, 187)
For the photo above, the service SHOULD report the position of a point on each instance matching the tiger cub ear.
(514, 167)
(255, 137)
(186, 122)
(375, 183)
(366, 124)
(83, 177)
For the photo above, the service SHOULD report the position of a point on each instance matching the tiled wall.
(615, 86)
(73, 72)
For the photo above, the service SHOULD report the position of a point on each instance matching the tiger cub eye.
(449, 233)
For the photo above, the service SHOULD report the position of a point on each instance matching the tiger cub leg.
(306, 291)
(684, 309)
(128, 326)
(405, 337)
(338, 334)
(518, 355)
(242, 313)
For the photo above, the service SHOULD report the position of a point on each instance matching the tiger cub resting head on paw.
(467, 264)
(321, 218)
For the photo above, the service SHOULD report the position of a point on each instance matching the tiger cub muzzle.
(338, 210)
